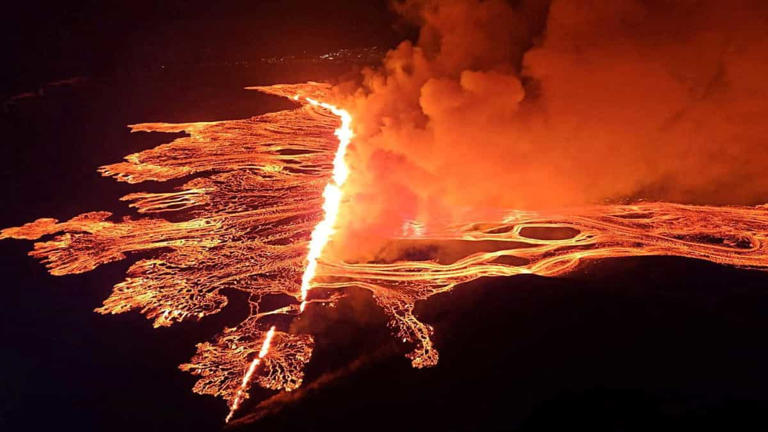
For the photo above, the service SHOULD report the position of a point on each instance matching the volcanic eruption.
(487, 148)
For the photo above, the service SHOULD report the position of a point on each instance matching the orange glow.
(249, 373)
(260, 209)
(332, 195)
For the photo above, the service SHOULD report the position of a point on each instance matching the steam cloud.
(534, 104)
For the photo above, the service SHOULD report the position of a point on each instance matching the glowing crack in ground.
(260, 206)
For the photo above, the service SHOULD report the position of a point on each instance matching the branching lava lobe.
(262, 204)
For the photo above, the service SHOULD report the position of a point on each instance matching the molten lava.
(320, 235)
(263, 204)
(332, 195)
(241, 392)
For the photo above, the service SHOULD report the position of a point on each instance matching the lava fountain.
(320, 235)
(332, 195)
(249, 373)
(261, 203)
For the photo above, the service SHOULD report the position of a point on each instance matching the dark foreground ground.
(622, 345)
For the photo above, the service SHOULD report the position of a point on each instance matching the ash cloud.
(537, 104)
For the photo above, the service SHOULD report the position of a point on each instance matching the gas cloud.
(534, 104)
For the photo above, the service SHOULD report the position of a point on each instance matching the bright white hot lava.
(332, 196)
(259, 209)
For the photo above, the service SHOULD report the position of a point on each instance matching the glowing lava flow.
(258, 209)
(320, 235)
(332, 195)
(251, 369)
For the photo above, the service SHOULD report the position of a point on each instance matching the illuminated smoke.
(503, 121)
(540, 105)
(246, 220)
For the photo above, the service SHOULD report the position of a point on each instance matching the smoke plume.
(534, 104)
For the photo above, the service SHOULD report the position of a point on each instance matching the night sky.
(44, 41)
(631, 344)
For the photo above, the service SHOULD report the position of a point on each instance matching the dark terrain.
(625, 344)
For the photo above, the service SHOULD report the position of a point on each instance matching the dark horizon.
(621, 344)
(50, 41)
